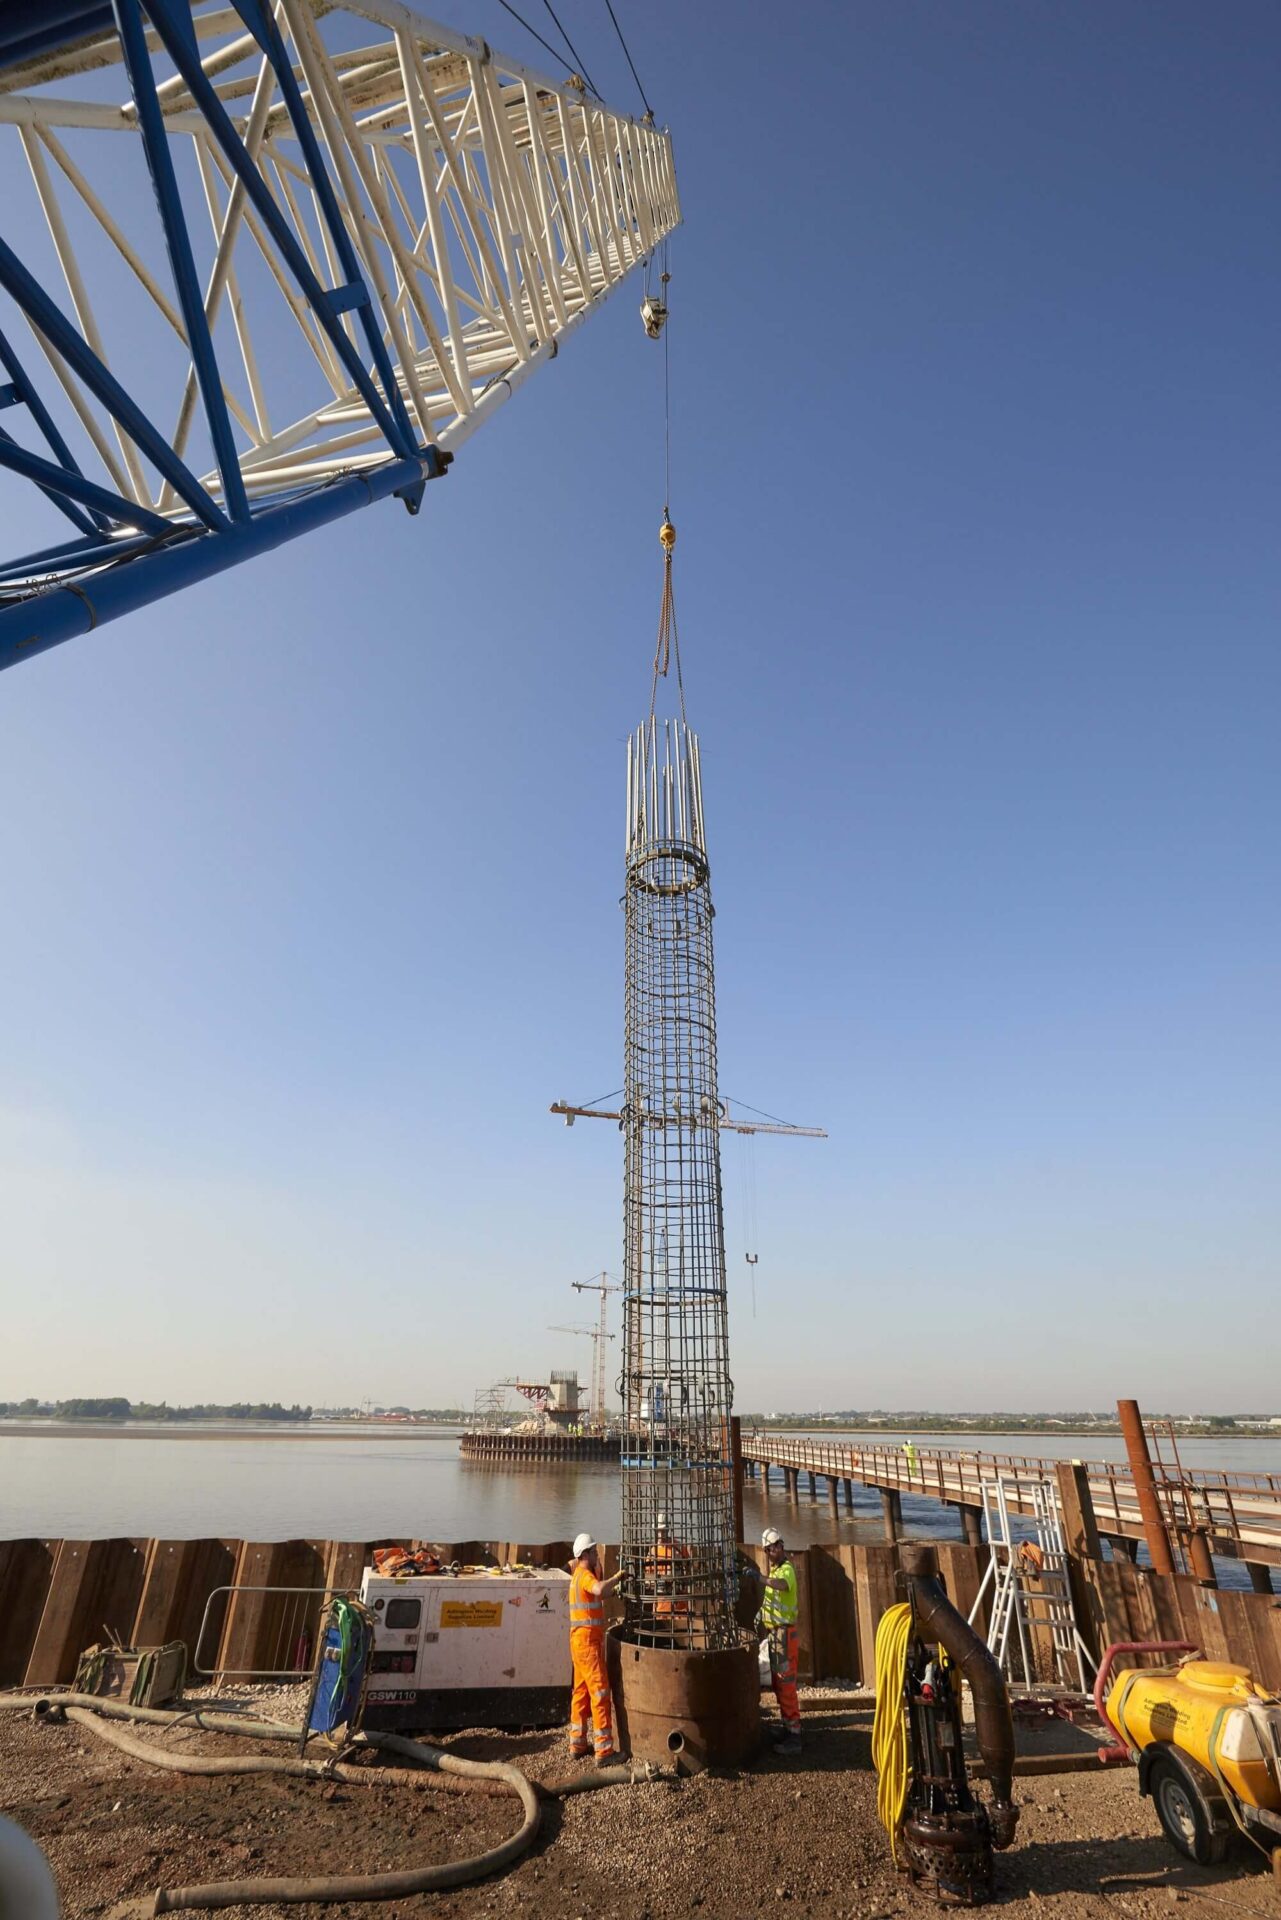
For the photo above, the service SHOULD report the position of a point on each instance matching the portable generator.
(476, 1648)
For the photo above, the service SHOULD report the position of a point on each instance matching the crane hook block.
(667, 536)
(654, 313)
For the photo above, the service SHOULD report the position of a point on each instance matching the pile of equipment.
(942, 1835)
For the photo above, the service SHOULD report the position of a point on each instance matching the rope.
(631, 63)
(669, 646)
(559, 58)
(573, 49)
(889, 1727)
(667, 391)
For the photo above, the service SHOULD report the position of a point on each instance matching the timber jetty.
(551, 1448)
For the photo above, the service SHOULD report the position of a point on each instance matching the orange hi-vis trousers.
(784, 1645)
(590, 1704)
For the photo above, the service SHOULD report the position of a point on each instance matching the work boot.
(789, 1747)
(610, 1759)
(579, 1753)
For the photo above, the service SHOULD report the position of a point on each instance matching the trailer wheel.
(1190, 1818)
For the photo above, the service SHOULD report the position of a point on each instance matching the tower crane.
(601, 1284)
(375, 230)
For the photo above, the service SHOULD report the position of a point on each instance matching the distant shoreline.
(305, 1430)
(231, 1430)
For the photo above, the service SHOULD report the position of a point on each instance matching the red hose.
(1118, 1753)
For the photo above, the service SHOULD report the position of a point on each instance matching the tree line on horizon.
(116, 1407)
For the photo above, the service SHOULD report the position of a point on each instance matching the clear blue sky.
(311, 875)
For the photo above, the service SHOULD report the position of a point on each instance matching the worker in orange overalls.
(670, 1605)
(590, 1704)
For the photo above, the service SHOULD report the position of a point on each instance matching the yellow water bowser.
(1213, 1712)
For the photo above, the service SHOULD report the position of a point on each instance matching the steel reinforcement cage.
(677, 1504)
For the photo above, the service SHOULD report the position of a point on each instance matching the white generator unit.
(468, 1650)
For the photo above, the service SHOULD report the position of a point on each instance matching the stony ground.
(799, 1835)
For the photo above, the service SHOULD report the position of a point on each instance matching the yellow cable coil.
(889, 1727)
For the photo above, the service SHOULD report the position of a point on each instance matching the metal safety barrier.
(291, 1629)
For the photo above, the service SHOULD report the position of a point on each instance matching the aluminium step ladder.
(1033, 1621)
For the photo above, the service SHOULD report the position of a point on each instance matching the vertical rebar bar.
(678, 1515)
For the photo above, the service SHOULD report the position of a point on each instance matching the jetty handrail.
(1242, 1506)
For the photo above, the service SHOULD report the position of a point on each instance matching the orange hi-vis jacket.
(590, 1704)
(661, 1566)
(586, 1603)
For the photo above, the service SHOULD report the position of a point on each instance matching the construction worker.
(909, 1448)
(660, 1570)
(590, 1704)
(777, 1621)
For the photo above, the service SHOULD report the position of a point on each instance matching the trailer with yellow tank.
(1207, 1741)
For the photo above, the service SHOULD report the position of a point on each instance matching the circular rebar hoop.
(677, 1519)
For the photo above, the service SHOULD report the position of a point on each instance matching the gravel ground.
(800, 1833)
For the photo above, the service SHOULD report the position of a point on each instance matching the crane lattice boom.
(375, 229)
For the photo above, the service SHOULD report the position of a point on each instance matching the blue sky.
(312, 873)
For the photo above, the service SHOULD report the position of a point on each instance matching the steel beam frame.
(374, 242)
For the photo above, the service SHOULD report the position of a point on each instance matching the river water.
(369, 1483)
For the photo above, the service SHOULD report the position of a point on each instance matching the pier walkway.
(1239, 1514)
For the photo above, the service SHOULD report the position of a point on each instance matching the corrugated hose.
(449, 1771)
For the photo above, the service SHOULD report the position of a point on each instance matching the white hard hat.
(662, 1522)
(582, 1545)
(771, 1537)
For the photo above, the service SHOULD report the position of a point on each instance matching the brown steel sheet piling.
(178, 1578)
(1080, 1530)
(892, 1512)
(1260, 1576)
(1081, 1541)
(93, 1592)
(26, 1573)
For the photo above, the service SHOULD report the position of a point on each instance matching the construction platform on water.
(539, 1449)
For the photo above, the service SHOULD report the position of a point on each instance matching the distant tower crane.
(369, 242)
(600, 1284)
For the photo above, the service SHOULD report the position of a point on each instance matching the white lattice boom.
(490, 208)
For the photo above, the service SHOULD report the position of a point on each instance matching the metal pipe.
(1200, 1556)
(938, 1620)
(1136, 1448)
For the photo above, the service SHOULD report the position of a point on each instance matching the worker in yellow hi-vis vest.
(777, 1619)
(591, 1703)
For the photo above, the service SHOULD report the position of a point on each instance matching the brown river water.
(365, 1483)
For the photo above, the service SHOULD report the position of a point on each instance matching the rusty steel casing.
(692, 1708)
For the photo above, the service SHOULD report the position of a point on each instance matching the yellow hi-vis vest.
(781, 1609)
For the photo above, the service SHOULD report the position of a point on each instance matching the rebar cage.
(677, 1518)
